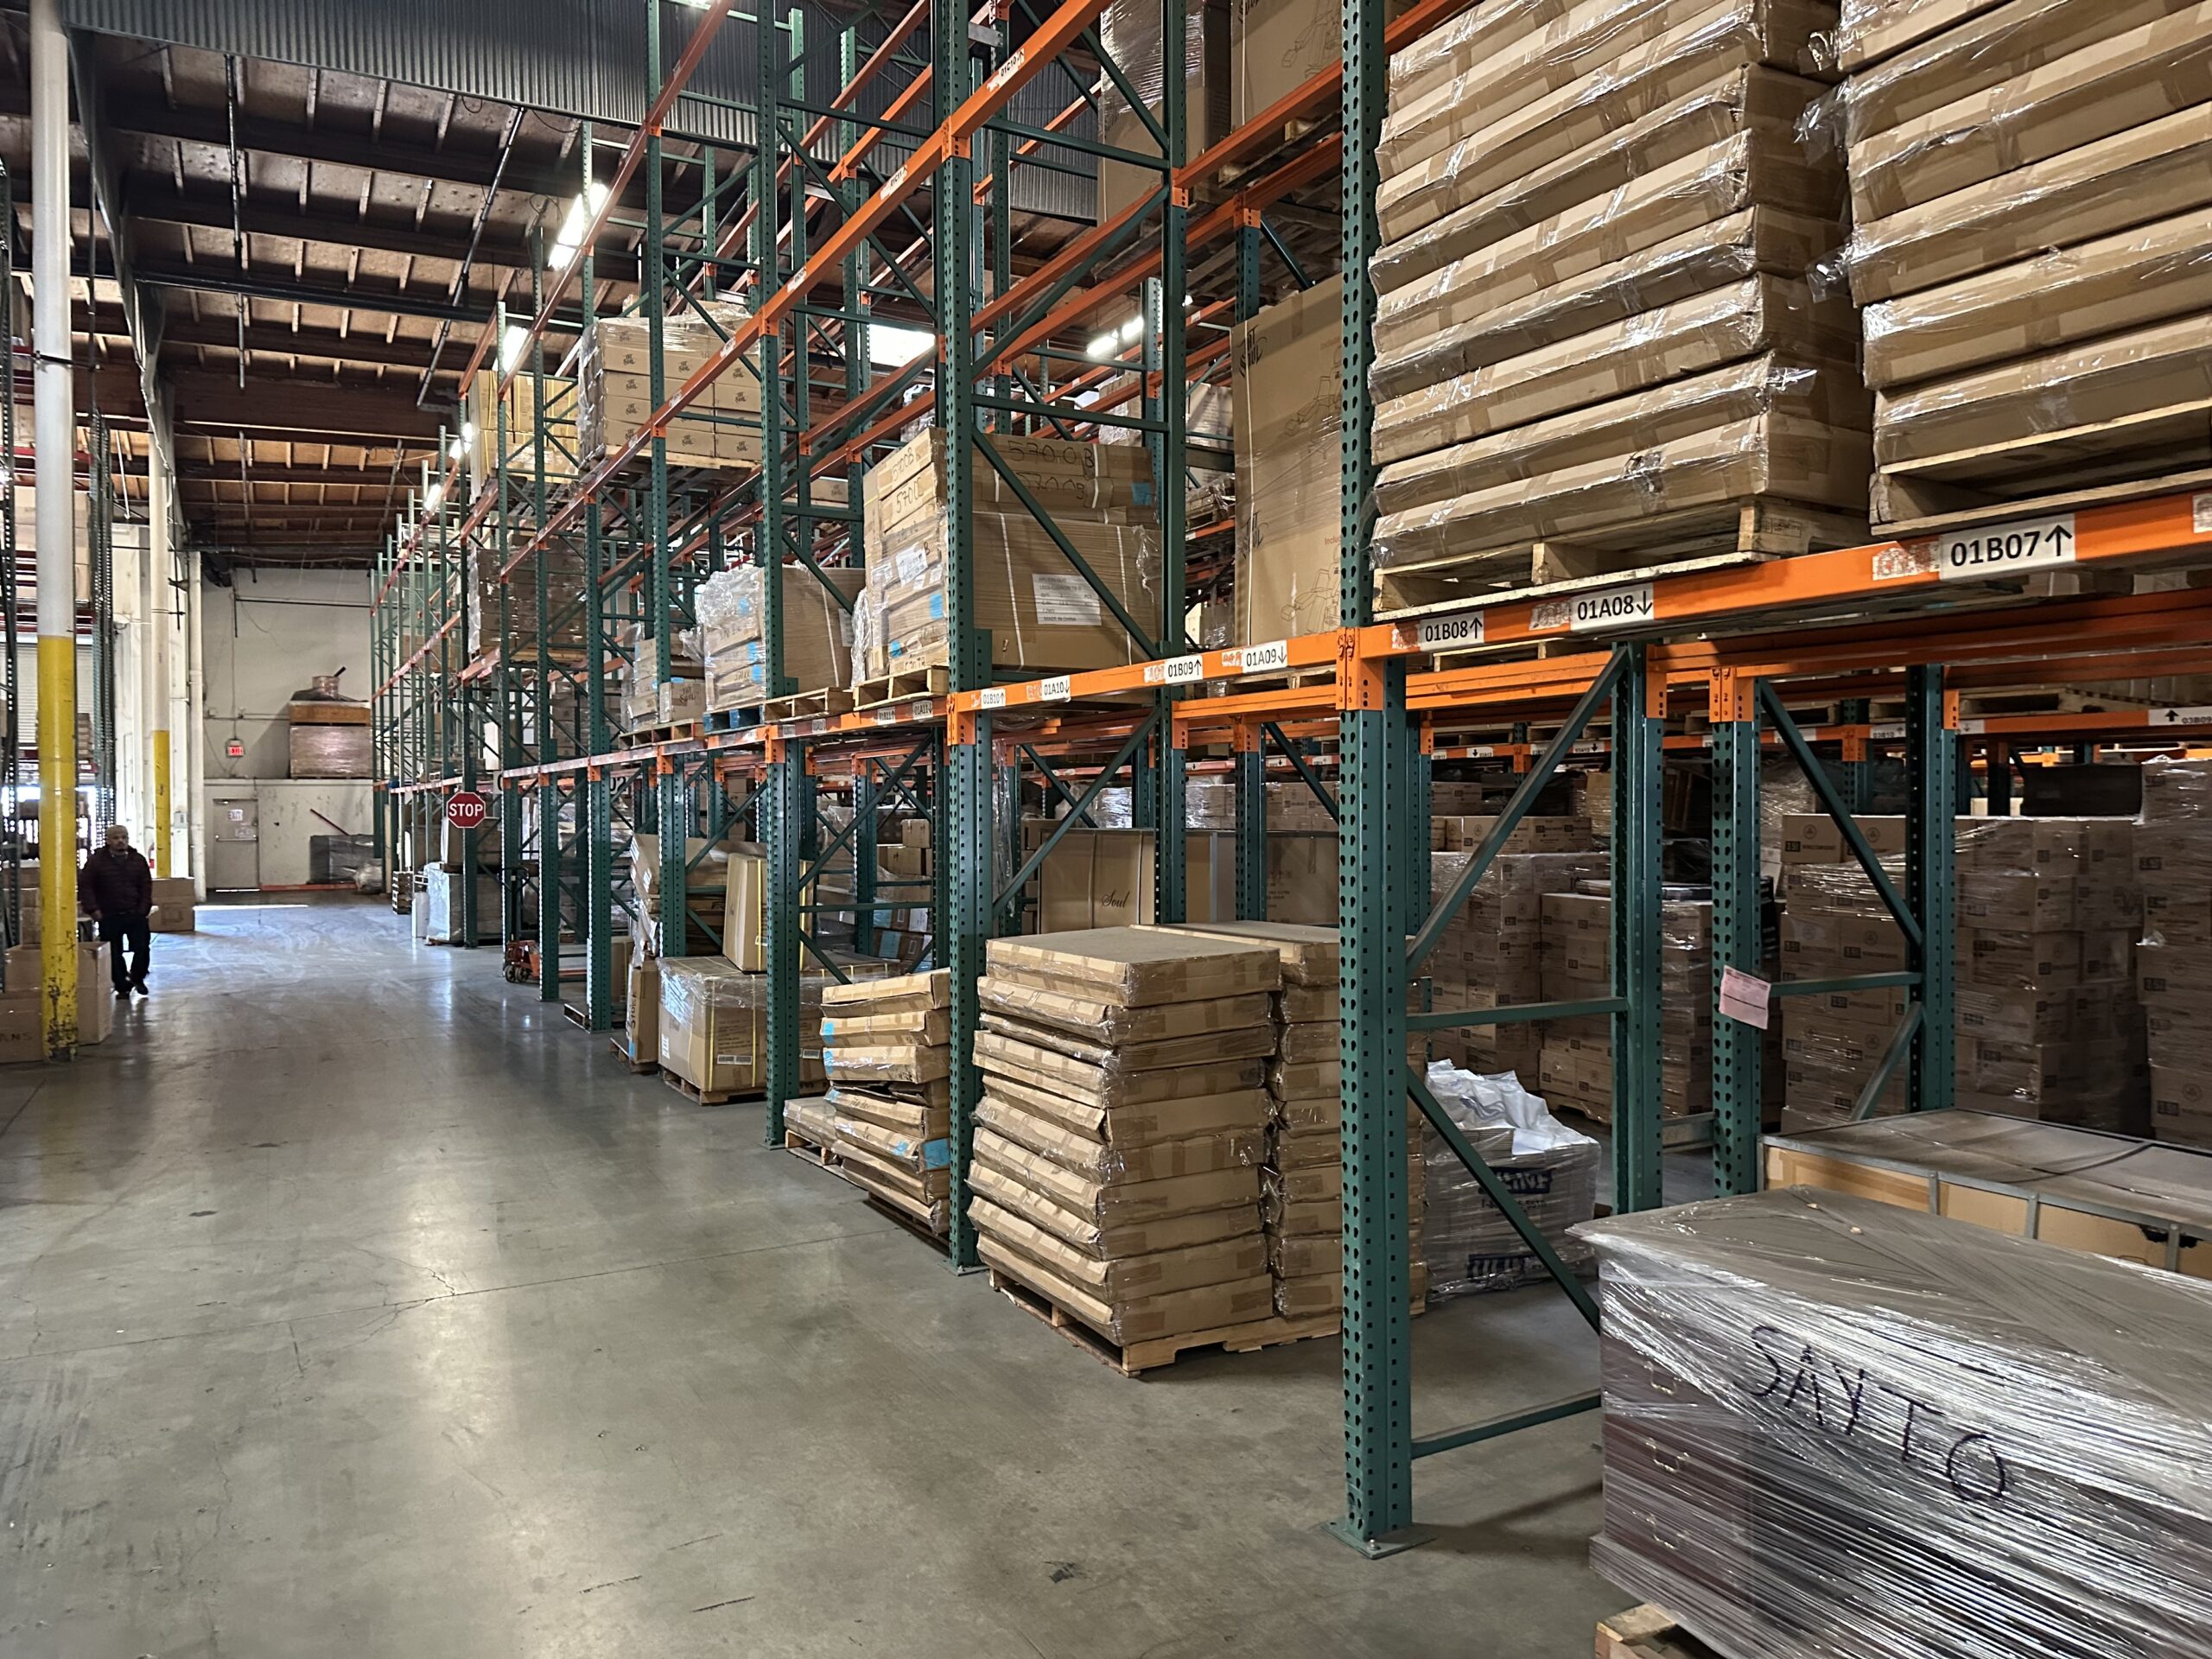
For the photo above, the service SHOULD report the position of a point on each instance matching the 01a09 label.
(1983, 551)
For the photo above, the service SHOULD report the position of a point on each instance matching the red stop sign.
(465, 810)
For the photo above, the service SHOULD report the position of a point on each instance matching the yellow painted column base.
(57, 842)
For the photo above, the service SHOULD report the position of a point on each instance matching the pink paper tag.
(1744, 997)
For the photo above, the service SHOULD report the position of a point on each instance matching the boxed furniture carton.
(817, 630)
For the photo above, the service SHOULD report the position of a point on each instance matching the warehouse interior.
(951, 846)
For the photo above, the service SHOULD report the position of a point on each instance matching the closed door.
(234, 846)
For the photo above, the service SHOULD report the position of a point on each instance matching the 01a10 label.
(1983, 550)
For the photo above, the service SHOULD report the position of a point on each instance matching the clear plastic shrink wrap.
(1549, 1168)
(1839, 1430)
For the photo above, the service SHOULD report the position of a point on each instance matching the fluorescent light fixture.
(1131, 331)
(468, 431)
(582, 211)
(435, 497)
(1103, 345)
(890, 346)
(458, 448)
(512, 344)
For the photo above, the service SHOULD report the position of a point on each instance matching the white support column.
(56, 418)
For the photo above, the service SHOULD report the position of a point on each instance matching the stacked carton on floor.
(2029, 182)
(2047, 1023)
(1578, 1054)
(2173, 863)
(1042, 613)
(1595, 337)
(886, 1047)
(1122, 1126)
(1489, 956)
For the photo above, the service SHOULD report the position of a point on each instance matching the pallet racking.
(834, 241)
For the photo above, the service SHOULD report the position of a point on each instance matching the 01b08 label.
(1999, 549)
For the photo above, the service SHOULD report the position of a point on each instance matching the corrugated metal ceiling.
(583, 58)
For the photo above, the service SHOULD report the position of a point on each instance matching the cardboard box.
(1286, 385)
(23, 1033)
(96, 997)
(2105, 86)
(1769, 456)
(1276, 45)
(818, 632)
(2051, 298)
(1135, 966)
(175, 904)
(745, 888)
(1747, 319)
(1429, 222)
(1129, 29)
(1756, 239)
(2047, 401)
(641, 1005)
(1816, 838)
(1482, 146)
(1807, 393)
(2142, 174)
(713, 1023)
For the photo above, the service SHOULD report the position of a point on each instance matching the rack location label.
(1999, 549)
(1257, 659)
(1447, 633)
(1054, 689)
(1596, 610)
(991, 697)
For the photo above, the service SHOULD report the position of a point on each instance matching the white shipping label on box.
(911, 565)
(1064, 601)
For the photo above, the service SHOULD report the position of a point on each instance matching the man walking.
(116, 888)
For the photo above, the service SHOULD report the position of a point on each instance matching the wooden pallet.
(1136, 1358)
(1699, 538)
(691, 1091)
(1676, 1134)
(731, 720)
(803, 705)
(2053, 700)
(876, 1199)
(931, 682)
(682, 731)
(619, 1042)
(2164, 451)
(1647, 1632)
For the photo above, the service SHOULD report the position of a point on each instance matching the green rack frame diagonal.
(808, 228)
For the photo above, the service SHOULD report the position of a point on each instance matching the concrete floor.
(352, 1302)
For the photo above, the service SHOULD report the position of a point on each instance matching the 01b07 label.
(1983, 551)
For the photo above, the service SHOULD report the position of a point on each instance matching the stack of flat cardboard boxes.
(2048, 1025)
(1577, 1069)
(817, 632)
(648, 700)
(1287, 383)
(1595, 336)
(2029, 182)
(1302, 1184)
(1122, 1126)
(1490, 956)
(2173, 863)
(514, 420)
(1833, 927)
(886, 1047)
(712, 1028)
(1129, 29)
(564, 586)
(903, 891)
(722, 428)
(1043, 615)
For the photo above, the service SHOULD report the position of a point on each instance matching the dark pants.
(134, 931)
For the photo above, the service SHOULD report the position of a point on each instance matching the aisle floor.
(351, 1301)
